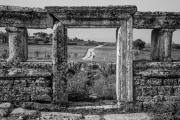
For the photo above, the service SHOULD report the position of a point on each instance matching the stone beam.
(59, 63)
(93, 23)
(91, 12)
(124, 81)
(18, 44)
(88, 16)
(156, 20)
(34, 18)
(161, 40)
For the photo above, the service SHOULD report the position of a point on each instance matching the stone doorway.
(119, 17)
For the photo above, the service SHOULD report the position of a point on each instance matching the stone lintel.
(15, 16)
(91, 13)
(156, 20)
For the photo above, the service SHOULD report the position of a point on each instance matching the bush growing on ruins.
(139, 44)
(78, 90)
(105, 88)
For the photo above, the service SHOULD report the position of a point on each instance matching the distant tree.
(41, 34)
(46, 40)
(139, 44)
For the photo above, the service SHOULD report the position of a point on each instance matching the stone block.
(43, 82)
(158, 98)
(178, 81)
(144, 98)
(177, 90)
(130, 116)
(139, 80)
(171, 98)
(149, 91)
(137, 91)
(26, 114)
(154, 81)
(170, 82)
(20, 83)
(42, 98)
(23, 97)
(164, 90)
(6, 83)
(43, 90)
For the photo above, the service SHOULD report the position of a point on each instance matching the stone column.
(161, 40)
(165, 46)
(59, 60)
(154, 54)
(18, 44)
(124, 71)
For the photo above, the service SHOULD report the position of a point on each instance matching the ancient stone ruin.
(136, 82)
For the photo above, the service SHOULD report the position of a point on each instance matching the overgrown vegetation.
(87, 79)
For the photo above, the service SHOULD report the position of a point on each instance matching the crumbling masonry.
(136, 82)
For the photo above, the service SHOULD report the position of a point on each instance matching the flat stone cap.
(21, 9)
(157, 13)
(64, 12)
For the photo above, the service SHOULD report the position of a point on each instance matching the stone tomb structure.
(136, 81)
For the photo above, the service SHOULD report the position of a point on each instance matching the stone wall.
(156, 81)
(26, 82)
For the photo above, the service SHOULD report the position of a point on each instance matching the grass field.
(75, 53)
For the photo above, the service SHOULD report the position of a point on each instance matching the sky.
(104, 34)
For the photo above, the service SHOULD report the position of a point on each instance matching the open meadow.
(76, 53)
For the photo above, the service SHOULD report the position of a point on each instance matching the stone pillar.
(59, 60)
(18, 44)
(165, 46)
(124, 71)
(161, 40)
(154, 54)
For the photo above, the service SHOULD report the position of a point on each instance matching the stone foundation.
(156, 81)
(26, 82)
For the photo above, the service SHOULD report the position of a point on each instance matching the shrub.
(78, 89)
(105, 88)
(175, 46)
(36, 54)
(139, 44)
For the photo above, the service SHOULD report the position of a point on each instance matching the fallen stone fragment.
(26, 114)
(93, 117)
(132, 116)
(5, 109)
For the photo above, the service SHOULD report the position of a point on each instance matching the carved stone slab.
(15, 16)
(154, 20)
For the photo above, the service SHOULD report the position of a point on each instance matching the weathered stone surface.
(156, 20)
(59, 63)
(165, 90)
(149, 91)
(154, 54)
(154, 82)
(5, 109)
(124, 84)
(60, 115)
(25, 113)
(18, 48)
(15, 16)
(132, 116)
(170, 82)
(93, 117)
